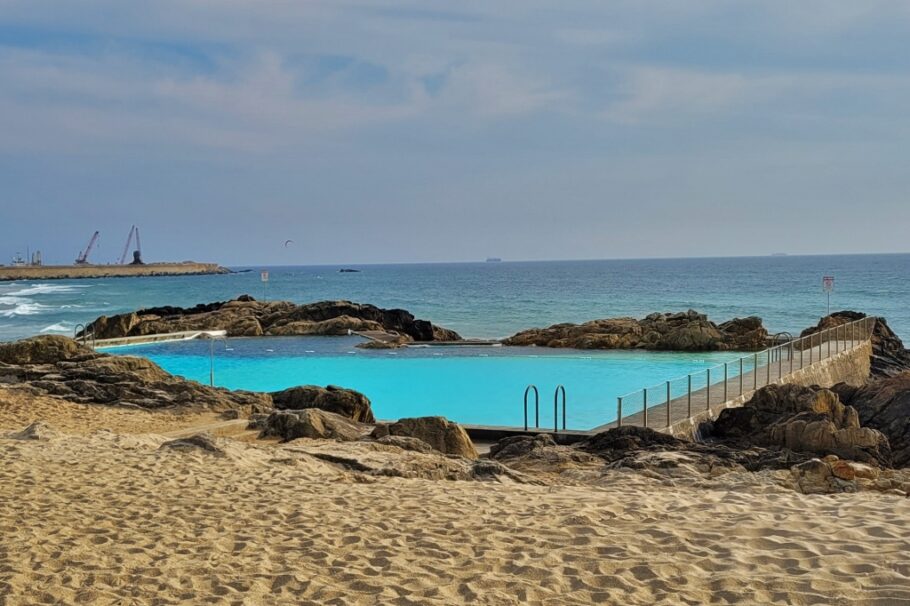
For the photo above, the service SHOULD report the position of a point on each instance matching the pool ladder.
(560, 391)
(85, 335)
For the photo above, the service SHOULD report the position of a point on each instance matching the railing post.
(828, 332)
(725, 382)
(689, 396)
(755, 372)
(708, 392)
(811, 348)
(802, 351)
(740, 375)
(644, 411)
(769, 368)
(668, 404)
(790, 353)
(619, 411)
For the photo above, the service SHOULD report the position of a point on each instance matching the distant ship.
(347, 270)
(494, 260)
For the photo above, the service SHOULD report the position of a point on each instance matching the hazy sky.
(427, 131)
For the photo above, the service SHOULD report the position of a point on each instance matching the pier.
(76, 272)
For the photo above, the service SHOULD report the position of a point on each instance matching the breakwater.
(69, 272)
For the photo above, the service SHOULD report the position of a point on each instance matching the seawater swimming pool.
(468, 384)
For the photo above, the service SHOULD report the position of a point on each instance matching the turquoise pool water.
(483, 385)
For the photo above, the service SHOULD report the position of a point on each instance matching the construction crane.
(137, 254)
(82, 259)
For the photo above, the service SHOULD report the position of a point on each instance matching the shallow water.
(482, 385)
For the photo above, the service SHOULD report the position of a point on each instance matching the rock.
(618, 441)
(46, 349)
(345, 402)
(202, 441)
(884, 405)
(247, 317)
(39, 430)
(406, 443)
(816, 477)
(688, 331)
(60, 367)
(802, 419)
(443, 435)
(397, 344)
(310, 423)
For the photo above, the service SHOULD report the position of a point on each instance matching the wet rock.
(345, 402)
(201, 441)
(46, 349)
(246, 317)
(310, 423)
(620, 440)
(802, 419)
(687, 331)
(443, 435)
(884, 405)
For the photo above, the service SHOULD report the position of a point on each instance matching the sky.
(395, 131)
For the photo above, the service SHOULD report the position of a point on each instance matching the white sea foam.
(46, 289)
(26, 308)
(58, 327)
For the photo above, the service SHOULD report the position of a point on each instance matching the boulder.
(443, 435)
(248, 317)
(46, 349)
(406, 443)
(817, 477)
(310, 423)
(201, 441)
(345, 402)
(687, 331)
(801, 419)
(884, 405)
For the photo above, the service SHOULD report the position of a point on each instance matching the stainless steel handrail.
(562, 390)
(536, 406)
(862, 327)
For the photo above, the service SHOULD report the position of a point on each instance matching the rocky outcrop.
(688, 331)
(345, 402)
(246, 317)
(60, 367)
(310, 423)
(832, 475)
(443, 435)
(39, 430)
(202, 441)
(801, 419)
(884, 405)
(46, 349)
(889, 356)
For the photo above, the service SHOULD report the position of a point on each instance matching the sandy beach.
(95, 512)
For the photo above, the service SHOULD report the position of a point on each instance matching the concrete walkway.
(737, 387)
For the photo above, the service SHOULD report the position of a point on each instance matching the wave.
(26, 308)
(47, 289)
(58, 327)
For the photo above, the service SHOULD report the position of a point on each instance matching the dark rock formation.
(59, 367)
(310, 423)
(889, 357)
(406, 443)
(345, 402)
(202, 441)
(688, 331)
(443, 435)
(540, 448)
(802, 419)
(246, 317)
(884, 405)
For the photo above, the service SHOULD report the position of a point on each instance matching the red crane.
(82, 259)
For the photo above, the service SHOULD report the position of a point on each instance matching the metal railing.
(560, 393)
(679, 399)
(84, 336)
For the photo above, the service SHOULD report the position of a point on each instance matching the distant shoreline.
(76, 272)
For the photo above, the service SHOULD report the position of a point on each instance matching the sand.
(96, 513)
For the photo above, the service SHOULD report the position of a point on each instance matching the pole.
(740, 376)
(668, 404)
(708, 392)
(212, 362)
(644, 411)
(755, 372)
(689, 397)
(725, 381)
(619, 411)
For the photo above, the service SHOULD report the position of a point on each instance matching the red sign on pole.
(828, 283)
(264, 276)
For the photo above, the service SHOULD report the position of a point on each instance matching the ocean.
(491, 300)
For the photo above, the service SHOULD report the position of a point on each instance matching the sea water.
(498, 299)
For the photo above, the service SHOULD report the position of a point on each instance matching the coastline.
(75, 272)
